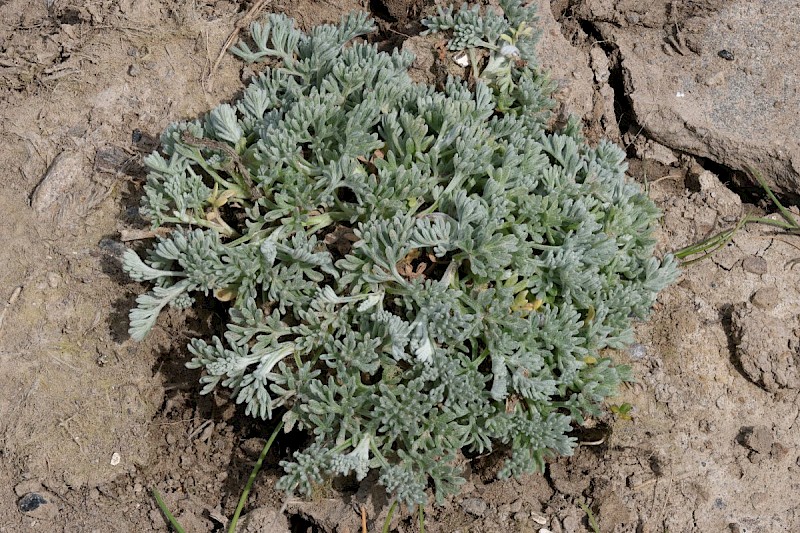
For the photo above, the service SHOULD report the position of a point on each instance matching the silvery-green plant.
(411, 272)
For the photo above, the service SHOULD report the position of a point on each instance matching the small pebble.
(727, 55)
(31, 502)
(115, 459)
(722, 402)
(637, 351)
(133, 71)
(755, 265)
(539, 519)
(53, 280)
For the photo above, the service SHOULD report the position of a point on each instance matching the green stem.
(389, 517)
(715, 242)
(710, 245)
(252, 478)
(421, 519)
(164, 509)
(783, 211)
(590, 517)
(197, 156)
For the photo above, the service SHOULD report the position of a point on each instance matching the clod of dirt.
(65, 170)
(398, 10)
(265, 520)
(567, 482)
(766, 298)
(610, 510)
(767, 347)
(474, 506)
(756, 438)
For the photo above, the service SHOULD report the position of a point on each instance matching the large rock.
(714, 79)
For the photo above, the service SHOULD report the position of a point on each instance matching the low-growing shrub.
(411, 271)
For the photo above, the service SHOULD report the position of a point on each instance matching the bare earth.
(90, 420)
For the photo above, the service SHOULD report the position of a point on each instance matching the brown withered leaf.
(341, 238)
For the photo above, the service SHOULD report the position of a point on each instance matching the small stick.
(9, 303)
(199, 429)
(128, 235)
(363, 519)
(668, 177)
(64, 424)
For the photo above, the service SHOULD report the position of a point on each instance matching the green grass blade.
(787, 216)
(389, 517)
(164, 509)
(590, 517)
(252, 478)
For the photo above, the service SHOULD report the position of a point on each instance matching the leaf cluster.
(411, 272)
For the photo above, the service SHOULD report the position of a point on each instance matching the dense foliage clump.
(411, 272)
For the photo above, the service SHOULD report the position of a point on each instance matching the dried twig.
(9, 303)
(127, 235)
(363, 519)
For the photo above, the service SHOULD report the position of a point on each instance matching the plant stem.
(421, 519)
(710, 245)
(164, 509)
(590, 517)
(783, 211)
(389, 517)
(252, 478)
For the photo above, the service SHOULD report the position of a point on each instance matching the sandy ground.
(90, 420)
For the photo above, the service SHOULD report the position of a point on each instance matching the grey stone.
(755, 265)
